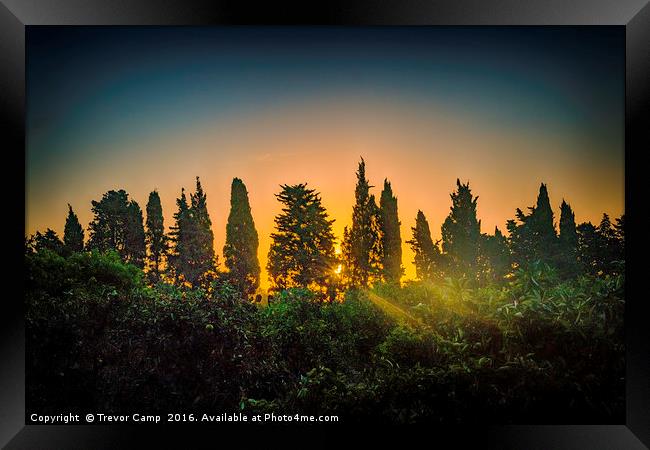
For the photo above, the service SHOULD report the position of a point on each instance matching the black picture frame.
(634, 15)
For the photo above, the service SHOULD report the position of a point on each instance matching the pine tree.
(390, 236)
(240, 250)
(302, 249)
(134, 240)
(461, 231)
(428, 259)
(567, 241)
(73, 234)
(155, 237)
(365, 240)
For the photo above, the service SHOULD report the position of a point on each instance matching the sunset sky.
(152, 107)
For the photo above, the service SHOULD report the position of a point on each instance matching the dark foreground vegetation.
(534, 350)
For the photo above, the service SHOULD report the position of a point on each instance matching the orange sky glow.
(421, 148)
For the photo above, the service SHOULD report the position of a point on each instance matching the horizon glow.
(143, 108)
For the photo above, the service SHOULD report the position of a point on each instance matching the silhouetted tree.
(365, 239)
(47, 241)
(428, 259)
(180, 234)
(117, 225)
(494, 256)
(567, 241)
(392, 269)
(193, 259)
(534, 238)
(240, 250)
(589, 250)
(107, 230)
(461, 231)
(302, 248)
(155, 236)
(203, 256)
(134, 248)
(610, 246)
(619, 228)
(73, 233)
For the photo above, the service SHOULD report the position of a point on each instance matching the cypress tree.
(543, 227)
(180, 234)
(302, 248)
(134, 240)
(461, 231)
(365, 241)
(73, 233)
(533, 238)
(240, 250)
(155, 236)
(428, 259)
(193, 259)
(203, 257)
(567, 240)
(390, 236)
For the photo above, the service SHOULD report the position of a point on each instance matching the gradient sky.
(152, 107)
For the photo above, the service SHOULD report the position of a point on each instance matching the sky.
(505, 108)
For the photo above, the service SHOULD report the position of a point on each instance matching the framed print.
(418, 219)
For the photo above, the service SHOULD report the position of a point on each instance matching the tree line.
(302, 252)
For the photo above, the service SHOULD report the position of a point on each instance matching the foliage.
(538, 349)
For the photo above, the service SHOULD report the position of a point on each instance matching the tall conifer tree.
(392, 269)
(365, 240)
(193, 259)
(302, 248)
(240, 250)
(428, 259)
(567, 241)
(155, 236)
(73, 233)
(134, 240)
(461, 231)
